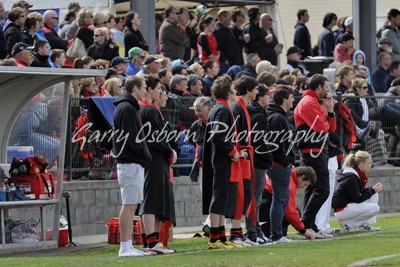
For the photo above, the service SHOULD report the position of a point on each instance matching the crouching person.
(301, 177)
(356, 205)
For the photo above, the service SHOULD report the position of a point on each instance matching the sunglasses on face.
(97, 35)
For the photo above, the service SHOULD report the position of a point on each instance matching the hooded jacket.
(278, 127)
(127, 121)
(360, 52)
(13, 35)
(348, 189)
(260, 128)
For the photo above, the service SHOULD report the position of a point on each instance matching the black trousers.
(315, 196)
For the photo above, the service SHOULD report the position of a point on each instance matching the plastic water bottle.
(12, 187)
(3, 193)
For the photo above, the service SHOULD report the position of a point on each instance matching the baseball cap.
(385, 41)
(202, 9)
(117, 60)
(348, 21)
(134, 51)
(23, 4)
(19, 47)
(293, 50)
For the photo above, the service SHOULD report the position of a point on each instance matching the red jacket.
(340, 54)
(291, 214)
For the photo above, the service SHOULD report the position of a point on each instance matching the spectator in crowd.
(89, 87)
(301, 177)
(57, 57)
(340, 29)
(391, 32)
(24, 5)
(184, 25)
(345, 74)
(201, 11)
(121, 66)
(100, 19)
(158, 200)
(113, 87)
(50, 19)
(282, 157)
(127, 119)
(360, 59)
(159, 22)
(172, 40)
(221, 170)
(32, 26)
(394, 72)
(250, 68)
(151, 66)
(12, 29)
(348, 28)
(165, 62)
(85, 25)
(40, 32)
(207, 46)
(118, 33)
(41, 54)
(211, 70)
(66, 24)
(262, 66)
(381, 72)
(238, 19)
(73, 28)
(195, 85)
(165, 76)
(293, 60)
(327, 40)
(181, 70)
(227, 45)
(197, 69)
(255, 34)
(302, 37)
(110, 23)
(355, 204)
(133, 36)
(83, 62)
(344, 50)
(272, 46)
(262, 158)
(103, 47)
(268, 79)
(319, 118)
(21, 53)
(3, 51)
(136, 57)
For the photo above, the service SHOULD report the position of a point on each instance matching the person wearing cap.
(121, 66)
(345, 50)
(21, 53)
(381, 72)
(293, 60)
(302, 37)
(347, 28)
(272, 47)
(172, 40)
(136, 57)
(151, 66)
(201, 11)
(262, 159)
(133, 37)
(391, 32)
(12, 30)
(50, 19)
(327, 39)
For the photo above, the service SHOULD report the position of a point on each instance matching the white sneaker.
(239, 241)
(248, 241)
(160, 249)
(282, 240)
(349, 229)
(129, 253)
(331, 231)
(368, 227)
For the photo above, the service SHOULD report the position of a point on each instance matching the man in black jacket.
(50, 19)
(41, 54)
(262, 156)
(302, 37)
(131, 155)
(280, 171)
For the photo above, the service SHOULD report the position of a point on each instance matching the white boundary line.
(366, 261)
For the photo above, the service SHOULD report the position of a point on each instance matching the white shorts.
(131, 181)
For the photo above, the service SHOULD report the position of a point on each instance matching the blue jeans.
(254, 230)
(280, 179)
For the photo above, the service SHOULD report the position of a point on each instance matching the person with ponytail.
(355, 204)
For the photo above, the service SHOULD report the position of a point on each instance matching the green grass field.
(364, 249)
